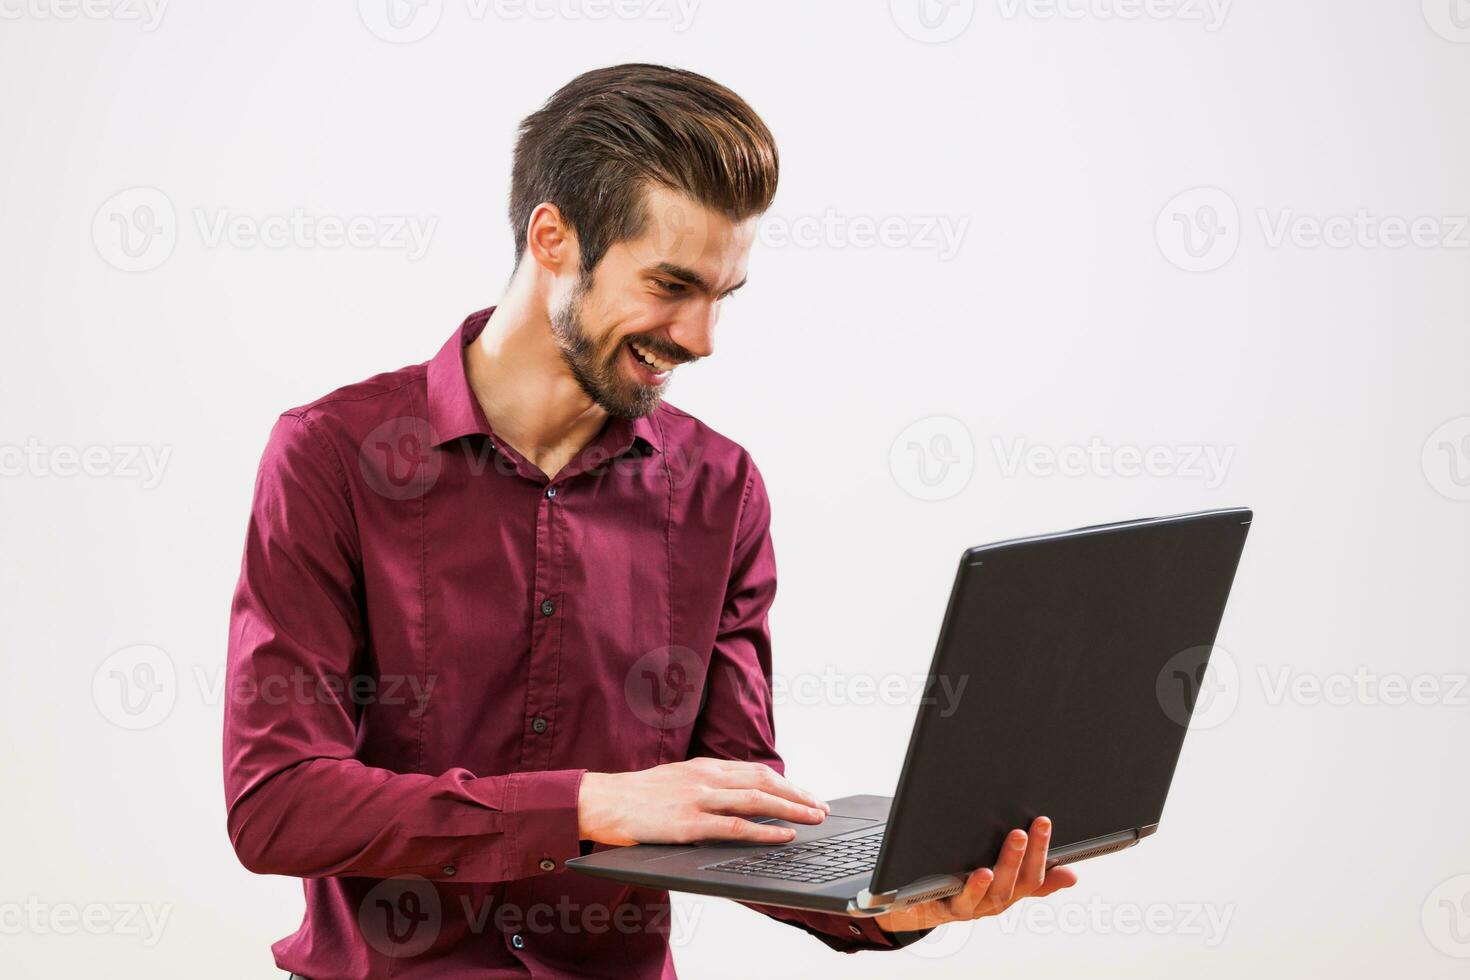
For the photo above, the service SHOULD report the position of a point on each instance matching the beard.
(595, 365)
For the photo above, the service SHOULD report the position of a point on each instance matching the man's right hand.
(683, 802)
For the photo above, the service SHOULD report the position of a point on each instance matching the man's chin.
(632, 402)
(642, 409)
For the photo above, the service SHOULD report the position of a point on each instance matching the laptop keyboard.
(813, 862)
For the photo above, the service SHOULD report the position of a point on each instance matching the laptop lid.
(1081, 655)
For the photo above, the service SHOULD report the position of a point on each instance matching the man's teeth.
(652, 360)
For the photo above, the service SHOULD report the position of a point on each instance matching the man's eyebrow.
(691, 278)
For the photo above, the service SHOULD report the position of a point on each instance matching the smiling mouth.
(650, 361)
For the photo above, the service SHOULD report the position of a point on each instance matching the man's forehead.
(696, 244)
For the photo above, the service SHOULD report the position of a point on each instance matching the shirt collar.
(454, 411)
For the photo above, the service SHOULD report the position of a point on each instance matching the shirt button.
(854, 930)
(547, 607)
(539, 725)
(547, 864)
(550, 492)
(448, 870)
(518, 941)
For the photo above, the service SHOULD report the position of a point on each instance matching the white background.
(1329, 836)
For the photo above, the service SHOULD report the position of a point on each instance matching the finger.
(729, 827)
(758, 775)
(998, 896)
(1033, 865)
(925, 915)
(966, 904)
(757, 803)
(928, 916)
(1056, 879)
(956, 908)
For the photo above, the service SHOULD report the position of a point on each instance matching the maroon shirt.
(431, 642)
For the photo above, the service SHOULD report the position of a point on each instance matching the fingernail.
(1043, 824)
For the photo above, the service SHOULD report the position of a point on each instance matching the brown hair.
(597, 145)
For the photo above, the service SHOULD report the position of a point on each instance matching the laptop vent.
(942, 891)
(1094, 852)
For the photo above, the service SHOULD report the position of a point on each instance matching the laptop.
(1083, 655)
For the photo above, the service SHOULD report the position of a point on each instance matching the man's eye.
(672, 287)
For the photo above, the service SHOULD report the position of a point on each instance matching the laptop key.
(814, 862)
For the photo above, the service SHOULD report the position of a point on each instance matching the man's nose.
(695, 331)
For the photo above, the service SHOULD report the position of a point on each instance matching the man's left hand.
(1021, 872)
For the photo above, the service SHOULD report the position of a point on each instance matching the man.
(508, 605)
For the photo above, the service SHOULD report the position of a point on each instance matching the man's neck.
(528, 394)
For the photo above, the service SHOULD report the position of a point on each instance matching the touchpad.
(830, 827)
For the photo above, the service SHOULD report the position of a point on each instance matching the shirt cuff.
(541, 814)
(878, 936)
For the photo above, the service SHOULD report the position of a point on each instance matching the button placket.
(546, 633)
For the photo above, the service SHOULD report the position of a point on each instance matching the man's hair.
(609, 135)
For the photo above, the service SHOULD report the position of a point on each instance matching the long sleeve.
(299, 802)
(737, 721)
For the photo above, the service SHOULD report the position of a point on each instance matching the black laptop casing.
(1060, 629)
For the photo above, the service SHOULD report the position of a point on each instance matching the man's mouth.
(655, 367)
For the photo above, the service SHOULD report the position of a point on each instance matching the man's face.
(652, 303)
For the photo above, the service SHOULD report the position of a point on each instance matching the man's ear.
(550, 241)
